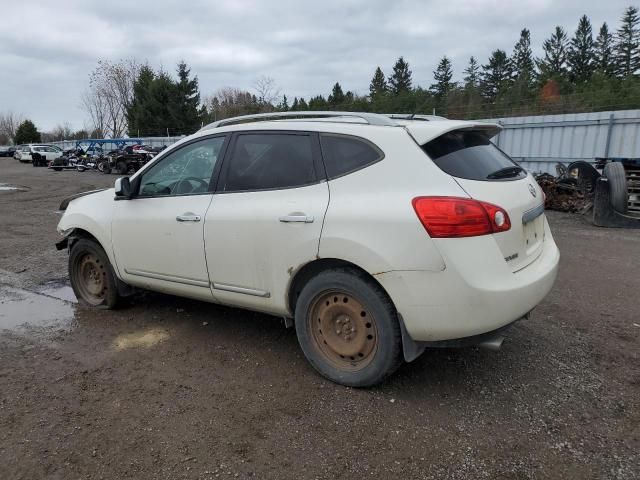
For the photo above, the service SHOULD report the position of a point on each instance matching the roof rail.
(370, 118)
(414, 116)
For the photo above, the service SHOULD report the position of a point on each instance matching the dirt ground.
(170, 388)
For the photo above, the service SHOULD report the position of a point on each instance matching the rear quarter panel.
(370, 220)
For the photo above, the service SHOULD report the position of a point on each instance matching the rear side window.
(270, 161)
(471, 155)
(343, 154)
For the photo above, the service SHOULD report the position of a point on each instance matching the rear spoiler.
(427, 131)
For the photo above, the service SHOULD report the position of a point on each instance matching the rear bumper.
(476, 293)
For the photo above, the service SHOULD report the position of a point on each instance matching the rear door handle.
(188, 217)
(296, 219)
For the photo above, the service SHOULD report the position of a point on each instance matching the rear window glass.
(471, 155)
(343, 154)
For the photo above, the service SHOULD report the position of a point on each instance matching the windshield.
(471, 155)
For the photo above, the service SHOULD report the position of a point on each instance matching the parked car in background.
(16, 152)
(7, 151)
(377, 236)
(38, 155)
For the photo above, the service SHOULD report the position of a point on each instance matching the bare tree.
(94, 105)
(110, 94)
(9, 123)
(231, 102)
(62, 131)
(268, 91)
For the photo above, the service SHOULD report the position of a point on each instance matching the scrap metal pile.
(572, 190)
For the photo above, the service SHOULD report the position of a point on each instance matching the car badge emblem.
(533, 190)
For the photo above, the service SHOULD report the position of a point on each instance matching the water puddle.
(21, 309)
(6, 187)
(58, 290)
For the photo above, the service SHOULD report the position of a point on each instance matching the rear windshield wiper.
(506, 172)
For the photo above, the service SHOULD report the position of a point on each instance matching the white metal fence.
(539, 143)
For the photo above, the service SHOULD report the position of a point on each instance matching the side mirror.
(123, 189)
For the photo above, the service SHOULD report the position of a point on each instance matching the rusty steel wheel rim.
(343, 330)
(91, 276)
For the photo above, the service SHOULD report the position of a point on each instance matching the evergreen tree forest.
(583, 68)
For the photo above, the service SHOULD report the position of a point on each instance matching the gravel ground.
(172, 388)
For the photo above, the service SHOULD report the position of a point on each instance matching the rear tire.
(618, 191)
(92, 277)
(348, 328)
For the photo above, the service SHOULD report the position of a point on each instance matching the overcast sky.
(48, 47)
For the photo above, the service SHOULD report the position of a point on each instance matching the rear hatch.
(489, 175)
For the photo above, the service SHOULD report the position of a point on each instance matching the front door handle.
(299, 218)
(188, 217)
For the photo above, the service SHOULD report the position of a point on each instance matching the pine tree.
(443, 75)
(294, 106)
(554, 63)
(317, 103)
(138, 113)
(496, 75)
(603, 51)
(27, 133)
(522, 59)
(337, 95)
(378, 85)
(400, 80)
(628, 44)
(580, 53)
(472, 74)
(302, 105)
(186, 99)
(162, 95)
(284, 105)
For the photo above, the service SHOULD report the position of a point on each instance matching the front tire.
(348, 328)
(91, 275)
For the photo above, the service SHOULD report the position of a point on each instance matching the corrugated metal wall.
(539, 143)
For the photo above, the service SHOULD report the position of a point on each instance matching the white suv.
(379, 235)
(38, 155)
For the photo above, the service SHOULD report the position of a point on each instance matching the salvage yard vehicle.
(377, 236)
(16, 152)
(38, 155)
(130, 160)
(7, 151)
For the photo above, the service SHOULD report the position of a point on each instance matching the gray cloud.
(47, 49)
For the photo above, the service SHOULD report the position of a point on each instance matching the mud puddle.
(59, 290)
(22, 309)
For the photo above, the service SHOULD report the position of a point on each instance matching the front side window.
(186, 171)
(270, 161)
(343, 154)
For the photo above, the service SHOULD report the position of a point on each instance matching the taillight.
(453, 217)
